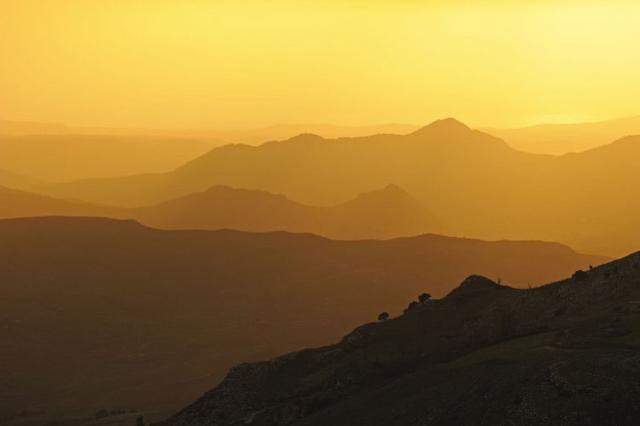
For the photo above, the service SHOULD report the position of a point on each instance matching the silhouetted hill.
(54, 157)
(565, 353)
(560, 139)
(99, 313)
(386, 213)
(483, 188)
(306, 168)
(445, 128)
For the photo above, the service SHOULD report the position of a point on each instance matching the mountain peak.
(393, 188)
(385, 194)
(446, 125)
(474, 284)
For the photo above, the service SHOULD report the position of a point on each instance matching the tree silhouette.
(424, 297)
(383, 316)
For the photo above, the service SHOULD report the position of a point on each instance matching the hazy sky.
(196, 63)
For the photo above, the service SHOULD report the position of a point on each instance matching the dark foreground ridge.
(565, 353)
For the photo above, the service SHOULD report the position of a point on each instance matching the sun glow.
(200, 63)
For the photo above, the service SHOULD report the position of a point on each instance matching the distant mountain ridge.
(382, 214)
(307, 168)
(15, 203)
(213, 135)
(65, 157)
(558, 139)
(483, 187)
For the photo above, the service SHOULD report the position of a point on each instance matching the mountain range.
(217, 136)
(108, 314)
(483, 187)
(553, 139)
(562, 138)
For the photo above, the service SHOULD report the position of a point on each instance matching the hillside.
(486, 354)
(484, 188)
(558, 139)
(106, 314)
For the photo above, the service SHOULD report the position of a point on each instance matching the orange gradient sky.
(196, 63)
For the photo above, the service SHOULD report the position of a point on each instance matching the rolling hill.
(106, 314)
(484, 188)
(486, 354)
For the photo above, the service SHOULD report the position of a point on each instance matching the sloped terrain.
(564, 353)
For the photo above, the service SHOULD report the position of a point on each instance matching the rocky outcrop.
(546, 354)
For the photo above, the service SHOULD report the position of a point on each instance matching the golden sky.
(196, 63)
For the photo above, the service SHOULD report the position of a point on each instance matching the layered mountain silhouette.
(486, 354)
(286, 131)
(386, 213)
(560, 139)
(16, 203)
(101, 313)
(484, 188)
(306, 168)
(212, 136)
(63, 157)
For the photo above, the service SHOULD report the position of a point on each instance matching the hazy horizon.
(345, 125)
